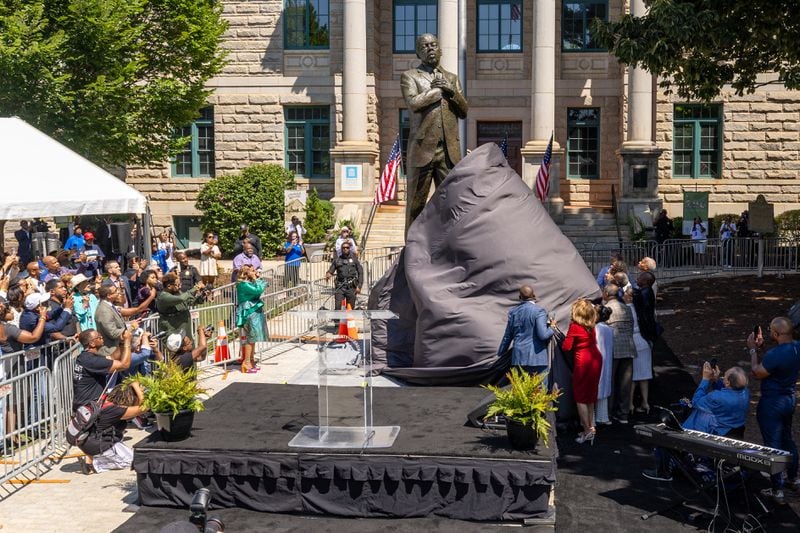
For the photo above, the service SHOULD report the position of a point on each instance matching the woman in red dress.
(588, 363)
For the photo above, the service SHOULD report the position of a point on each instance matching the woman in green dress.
(250, 314)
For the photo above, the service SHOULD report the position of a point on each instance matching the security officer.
(349, 277)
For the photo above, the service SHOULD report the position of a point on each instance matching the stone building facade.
(314, 85)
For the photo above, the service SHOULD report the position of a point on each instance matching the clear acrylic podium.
(345, 384)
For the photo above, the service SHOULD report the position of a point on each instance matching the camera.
(712, 362)
(208, 330)
(198, 513)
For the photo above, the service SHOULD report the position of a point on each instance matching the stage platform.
(437, 466)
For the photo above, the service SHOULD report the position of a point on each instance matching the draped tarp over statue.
(481, 236)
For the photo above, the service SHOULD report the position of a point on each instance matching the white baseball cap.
(174, 342)
(32, 301)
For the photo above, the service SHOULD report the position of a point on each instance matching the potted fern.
(173, 395)
(524, 405)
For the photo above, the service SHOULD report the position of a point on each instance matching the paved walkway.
(67, 501)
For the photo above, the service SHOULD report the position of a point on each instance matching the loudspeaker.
(476, 415)
(42, 243)
(120, 238)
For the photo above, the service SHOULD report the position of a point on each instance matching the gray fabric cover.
(482, 235)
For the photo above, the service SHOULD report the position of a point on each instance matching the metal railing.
(28, 410)
(678, 258)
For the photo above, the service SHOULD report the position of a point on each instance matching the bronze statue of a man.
(434, 96)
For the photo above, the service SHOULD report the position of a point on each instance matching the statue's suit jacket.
(432, 118)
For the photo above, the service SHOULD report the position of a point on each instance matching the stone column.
(448, 34)
(354, 157)
(543, 100)
(639, 153)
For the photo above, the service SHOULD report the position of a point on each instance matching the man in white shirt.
(296, 225)
(344, 236)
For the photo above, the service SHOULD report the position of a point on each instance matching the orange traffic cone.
(342, 334)
(221, 352)
(352, 328)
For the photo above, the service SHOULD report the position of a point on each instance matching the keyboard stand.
(701, 489)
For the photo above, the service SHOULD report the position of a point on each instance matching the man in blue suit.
(530, 331)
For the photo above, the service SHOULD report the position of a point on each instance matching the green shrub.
(636, 230)
(677, 223)
(253, 197)
(319, 218)
(787, 224)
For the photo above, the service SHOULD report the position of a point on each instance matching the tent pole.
(147, 221)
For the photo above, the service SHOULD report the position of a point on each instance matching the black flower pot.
(521, 436)
(177, 428)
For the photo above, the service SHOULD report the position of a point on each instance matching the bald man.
(778, 371)
(530, 332)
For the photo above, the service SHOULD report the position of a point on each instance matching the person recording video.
(173, 305)
(719, 406)
(349, 277)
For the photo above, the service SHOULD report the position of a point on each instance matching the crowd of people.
(85, 294)
(79, 293)
(609, 348)
(699, 232)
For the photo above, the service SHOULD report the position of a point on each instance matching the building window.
(576, 18)
(412, 18)
(497, 131)
(196, 160)
(306, 24)
(696, 141)
(499, 25)
(308, 141)
(583, 142)
(405, 133)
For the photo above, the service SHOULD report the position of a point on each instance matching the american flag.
(516, 12)
(504, 146)
(543, 176)
(387, 186)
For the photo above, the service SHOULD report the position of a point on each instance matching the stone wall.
(760, 152)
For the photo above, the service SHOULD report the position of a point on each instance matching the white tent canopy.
(43, 178)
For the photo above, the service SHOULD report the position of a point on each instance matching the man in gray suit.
(434, 96)
(109, 321)
(621, 322)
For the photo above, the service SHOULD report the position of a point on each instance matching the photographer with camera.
(173, 305)
(181, 349)
(349, 277)
(103, 447)
(778, 372)
(718, 407)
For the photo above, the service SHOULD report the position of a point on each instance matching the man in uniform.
(434, 96)
(349, 277)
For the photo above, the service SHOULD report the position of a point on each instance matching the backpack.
(82, 423)
(83, 420)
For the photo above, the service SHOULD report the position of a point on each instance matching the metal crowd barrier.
(677, 258)
(26, 407)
